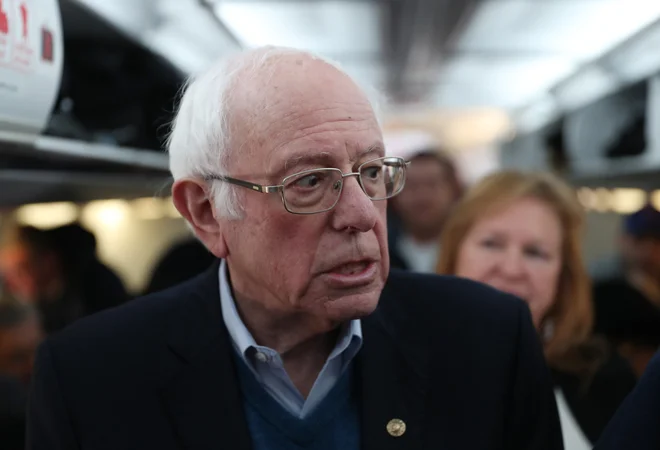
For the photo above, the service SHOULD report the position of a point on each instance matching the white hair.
(199, 141)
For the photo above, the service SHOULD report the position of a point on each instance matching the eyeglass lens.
(319, 190)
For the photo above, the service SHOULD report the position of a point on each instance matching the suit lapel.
(202, 395)
(392, 382)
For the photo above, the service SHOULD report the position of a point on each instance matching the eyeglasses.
(318, 190)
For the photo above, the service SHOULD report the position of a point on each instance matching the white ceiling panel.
(327, 27)
(502, 82)
(589, 84)
(540, 112)
(637, 59)
(581, 29)
(365, 73)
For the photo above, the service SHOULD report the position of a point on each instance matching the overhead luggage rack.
(37, 169)
(85, 153)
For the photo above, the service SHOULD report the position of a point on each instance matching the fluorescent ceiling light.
(108, 214)
(581, 29)
(627, 200)
(331, 27)
(148, 208)
(603, 200)
(575, 32)
(47, 215)
(655, 199)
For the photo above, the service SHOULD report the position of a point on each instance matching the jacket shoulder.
(443, 294)
(448, 308)
(133, 333)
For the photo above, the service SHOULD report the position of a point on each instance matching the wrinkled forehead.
(300, 105)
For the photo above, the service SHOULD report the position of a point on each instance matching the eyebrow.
(503, 233)
(325, 158)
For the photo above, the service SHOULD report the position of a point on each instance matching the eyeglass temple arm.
(247, 184)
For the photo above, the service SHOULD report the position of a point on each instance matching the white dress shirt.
(574, 438)
(420, 257)
(267, 365)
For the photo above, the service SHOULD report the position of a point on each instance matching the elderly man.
(298, 339)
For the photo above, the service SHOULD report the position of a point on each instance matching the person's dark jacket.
(394, 232)
(89, 285)
(13, 402)
(624, 314)
(593, 399)
(458, 362)
(183, 261)
(635, 425)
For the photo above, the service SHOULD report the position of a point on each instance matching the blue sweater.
(333, 425)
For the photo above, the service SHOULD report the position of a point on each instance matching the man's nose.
(354, 209)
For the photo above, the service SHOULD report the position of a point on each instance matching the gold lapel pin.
(396, 427)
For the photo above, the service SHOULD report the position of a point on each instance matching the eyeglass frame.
(272, 189)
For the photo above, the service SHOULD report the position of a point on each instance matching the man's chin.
(354, 306)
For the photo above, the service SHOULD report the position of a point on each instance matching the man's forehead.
(326, 113)
(293, 158)
(288, 84)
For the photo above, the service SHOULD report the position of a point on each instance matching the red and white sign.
(31, 58)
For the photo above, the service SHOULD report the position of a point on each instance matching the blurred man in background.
(58, 271)
(20, 335)
(628, 307)
(183, 261)
(420, 211)
(29, 267)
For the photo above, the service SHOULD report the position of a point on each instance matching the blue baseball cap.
(643, 223)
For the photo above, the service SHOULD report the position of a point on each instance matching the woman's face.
(517, 250)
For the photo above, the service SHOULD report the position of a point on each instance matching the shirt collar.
(348, 343)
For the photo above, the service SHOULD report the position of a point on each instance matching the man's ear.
(193, 201)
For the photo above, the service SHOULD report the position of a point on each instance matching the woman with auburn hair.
(522, 233)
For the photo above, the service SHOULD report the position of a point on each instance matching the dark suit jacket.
(625, 315)
(13, 399)
(594, 401)
(636, 424)
(458, 362)
(394, 232)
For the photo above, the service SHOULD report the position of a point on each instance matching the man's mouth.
(351, 268)
(352, 274)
